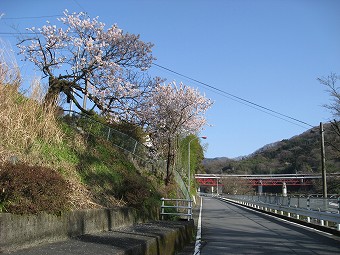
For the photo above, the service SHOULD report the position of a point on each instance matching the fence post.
(162, 209)
(108, 135)
(134, 149)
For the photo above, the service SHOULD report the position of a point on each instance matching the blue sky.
(269, 52)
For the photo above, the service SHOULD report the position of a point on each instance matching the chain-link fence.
(179, 180)
(88, 125)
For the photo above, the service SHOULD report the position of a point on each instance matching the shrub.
(138, 193)
(31, 189)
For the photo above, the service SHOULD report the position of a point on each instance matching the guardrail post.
(308, 202)
(162, 208)
(189, 209)
(322, 222)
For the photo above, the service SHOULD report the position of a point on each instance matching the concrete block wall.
(21, 231)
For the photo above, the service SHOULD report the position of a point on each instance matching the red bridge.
(261, 180)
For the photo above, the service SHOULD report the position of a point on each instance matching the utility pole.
(323, 162)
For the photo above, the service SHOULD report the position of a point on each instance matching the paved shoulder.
(230, 229)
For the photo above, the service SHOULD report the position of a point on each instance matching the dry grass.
(25, 125)
(23, 118)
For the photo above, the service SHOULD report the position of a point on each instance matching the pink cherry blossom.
(82, 51)
(173, 111)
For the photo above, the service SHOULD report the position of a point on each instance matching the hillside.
(53, 162)
(299, 154)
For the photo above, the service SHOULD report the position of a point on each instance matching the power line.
(38, 17)
(81, 7)
(256, 108)
(19, 33)
(35, 17)
(240, 99)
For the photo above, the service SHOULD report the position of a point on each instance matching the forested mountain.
(299, 154)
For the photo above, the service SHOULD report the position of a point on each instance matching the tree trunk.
(54, 89)
(56, 86)
(168, 164)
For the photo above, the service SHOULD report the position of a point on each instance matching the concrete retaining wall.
(20, 231)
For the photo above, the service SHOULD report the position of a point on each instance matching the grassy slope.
(97, 173)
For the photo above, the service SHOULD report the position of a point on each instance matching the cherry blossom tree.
(171, 111)
(83, 59)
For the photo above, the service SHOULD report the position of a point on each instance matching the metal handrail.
(178, 205)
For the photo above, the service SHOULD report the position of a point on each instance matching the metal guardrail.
(176, 207)
(324, 212)
(267, 176)
(331, 204)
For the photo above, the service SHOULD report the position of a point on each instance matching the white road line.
(199, 232)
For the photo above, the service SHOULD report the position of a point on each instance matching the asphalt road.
(230, 229)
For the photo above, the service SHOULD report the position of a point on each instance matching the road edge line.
(199, 232)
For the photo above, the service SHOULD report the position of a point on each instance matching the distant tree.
(173, 110)
(83, 59)
(196, 154)
(334, 91)
(285, 156)
(332, 86)
(333, 185)
(237, 186)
